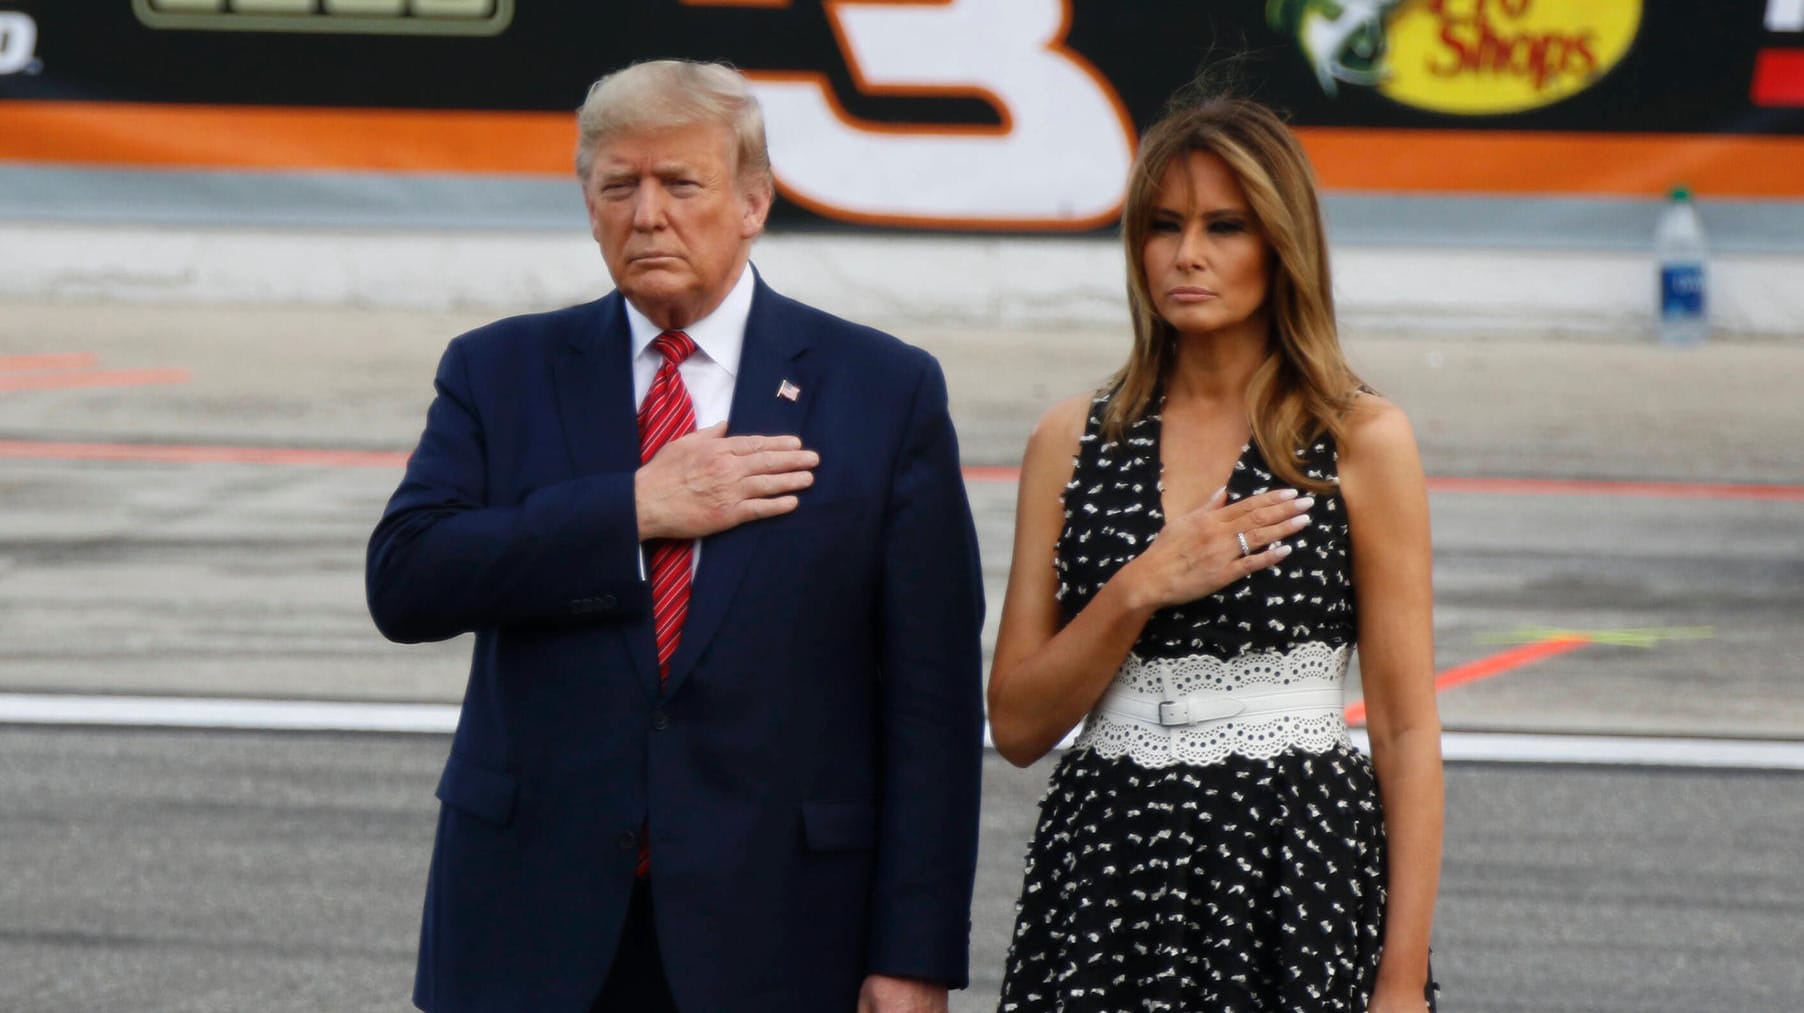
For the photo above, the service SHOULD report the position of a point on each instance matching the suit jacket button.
(659, 720)
(628, 840)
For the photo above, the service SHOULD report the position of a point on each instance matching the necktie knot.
(674, 346)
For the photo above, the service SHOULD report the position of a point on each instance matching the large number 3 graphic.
(1059, 160)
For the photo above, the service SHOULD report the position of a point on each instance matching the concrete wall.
(968, 281)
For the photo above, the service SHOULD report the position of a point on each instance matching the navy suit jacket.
(808, 772)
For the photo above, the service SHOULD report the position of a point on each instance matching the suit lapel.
(594, 381)
(772, 356)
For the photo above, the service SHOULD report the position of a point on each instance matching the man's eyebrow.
(666, 170)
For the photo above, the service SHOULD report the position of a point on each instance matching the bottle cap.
(1680, 192)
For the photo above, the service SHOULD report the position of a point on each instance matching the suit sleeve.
(445, 560)
(930, 706)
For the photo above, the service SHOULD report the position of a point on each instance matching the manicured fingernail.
(1284, 494)
(1280, 550)
(1305, 503)
(1218, 492)
(1300, 521)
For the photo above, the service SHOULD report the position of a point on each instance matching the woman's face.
(1207, 265)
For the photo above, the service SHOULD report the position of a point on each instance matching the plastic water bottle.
(1679, 247)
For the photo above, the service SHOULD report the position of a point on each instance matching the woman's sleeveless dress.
(1232, 865)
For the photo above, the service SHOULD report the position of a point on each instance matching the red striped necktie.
(665, 415)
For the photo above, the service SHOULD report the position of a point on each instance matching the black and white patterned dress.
(1232, 865)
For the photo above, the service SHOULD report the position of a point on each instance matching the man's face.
(674, 224)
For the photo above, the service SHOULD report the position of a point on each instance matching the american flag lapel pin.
(788, 391)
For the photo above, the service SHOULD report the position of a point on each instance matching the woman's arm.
(1387, 509)
(1044, 679)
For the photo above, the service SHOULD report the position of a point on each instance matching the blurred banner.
(999, 115)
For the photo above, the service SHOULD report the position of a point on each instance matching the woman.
(1225, 521)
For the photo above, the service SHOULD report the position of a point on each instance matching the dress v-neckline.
(1158, 456)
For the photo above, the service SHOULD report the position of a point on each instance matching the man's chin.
(657, 297)
(658, 278)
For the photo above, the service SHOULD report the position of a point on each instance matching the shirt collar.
(720, 334)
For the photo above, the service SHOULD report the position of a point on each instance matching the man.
(720, 746)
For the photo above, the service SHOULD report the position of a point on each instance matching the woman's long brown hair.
(1304, 387)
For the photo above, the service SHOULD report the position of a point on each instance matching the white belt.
(1161, 711)
(1205, 707)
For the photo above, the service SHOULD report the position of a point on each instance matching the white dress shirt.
(708, 374)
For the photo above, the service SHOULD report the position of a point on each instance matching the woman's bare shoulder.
(1054, 442)
(1064, 422)
(1376, 427)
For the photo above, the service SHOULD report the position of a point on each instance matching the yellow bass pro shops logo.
(1465, 57)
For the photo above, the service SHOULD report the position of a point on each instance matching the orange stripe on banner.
(1485, 668)
(92, 378)
(540, 143)
(72, 360)
(283, 137)
(1580, 164)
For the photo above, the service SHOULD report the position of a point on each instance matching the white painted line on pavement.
(441, 719)
(1621, 750)
(215, 712)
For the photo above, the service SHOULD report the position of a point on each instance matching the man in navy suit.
(756, 788)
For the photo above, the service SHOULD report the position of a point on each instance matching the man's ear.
(758, 198)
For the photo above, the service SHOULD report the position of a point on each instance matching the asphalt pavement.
(153, 871)
(1646, 499)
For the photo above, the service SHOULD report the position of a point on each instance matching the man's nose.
(648, 207)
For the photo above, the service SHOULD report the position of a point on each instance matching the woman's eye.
(1227, 227)
(1165, 225)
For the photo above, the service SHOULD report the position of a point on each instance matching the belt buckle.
(1174, 712)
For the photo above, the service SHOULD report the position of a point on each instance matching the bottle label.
(1682, 291)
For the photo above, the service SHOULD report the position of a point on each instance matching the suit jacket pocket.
(839, 826)
(485, 794)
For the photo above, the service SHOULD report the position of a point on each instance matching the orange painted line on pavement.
(1537, 486)
(201, 455)
(992, 473)
(71, 360)
(1485, 668)
(1579, 487)
(973, 473)
(92, 378)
